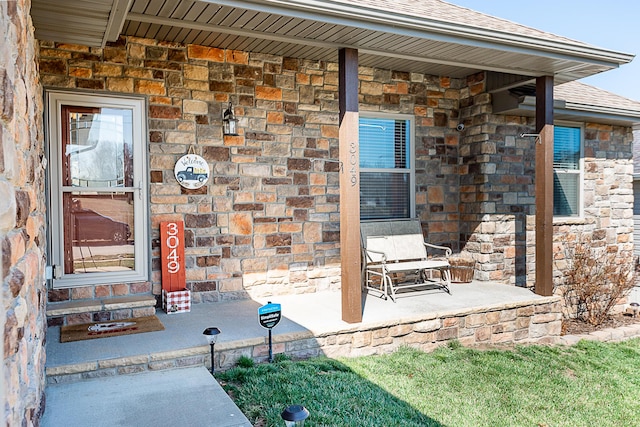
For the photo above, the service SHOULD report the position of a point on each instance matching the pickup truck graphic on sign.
(192, 174)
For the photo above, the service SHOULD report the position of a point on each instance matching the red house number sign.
(172, 255)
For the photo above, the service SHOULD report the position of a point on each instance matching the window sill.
(569, 221)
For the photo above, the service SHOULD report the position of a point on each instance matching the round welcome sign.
(191, 171)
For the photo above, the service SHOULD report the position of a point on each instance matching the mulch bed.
(579, 327)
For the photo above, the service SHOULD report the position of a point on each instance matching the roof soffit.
(386, 36)
(353, 12)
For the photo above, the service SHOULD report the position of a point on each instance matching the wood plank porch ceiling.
(426, 36)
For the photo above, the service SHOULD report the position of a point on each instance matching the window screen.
(385, 168)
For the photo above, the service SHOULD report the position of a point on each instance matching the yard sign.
(269, 315)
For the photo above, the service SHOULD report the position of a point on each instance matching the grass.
(590, 383)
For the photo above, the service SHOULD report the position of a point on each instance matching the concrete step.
(100, 310)
(73, 372)
(180, 344)
(297, 345)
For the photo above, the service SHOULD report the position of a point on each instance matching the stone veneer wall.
(268, 220)
(22, 219)
(608, 195)
(497, 191)
(497, 185)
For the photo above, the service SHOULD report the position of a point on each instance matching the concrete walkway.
(177, 397)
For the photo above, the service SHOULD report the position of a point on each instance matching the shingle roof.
(439, 10)
(580, 93)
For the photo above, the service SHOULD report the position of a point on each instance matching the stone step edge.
(163, 356)
(618, 334)
(103, 304)
(171, 359)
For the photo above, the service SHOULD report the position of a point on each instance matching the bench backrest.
(400, 240)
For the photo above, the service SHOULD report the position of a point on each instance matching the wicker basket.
(462, 270)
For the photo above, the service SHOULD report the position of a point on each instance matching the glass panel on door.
(97, 189)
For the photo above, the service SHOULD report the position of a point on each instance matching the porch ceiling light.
(294, 415)
(229, 122)
(212, 336)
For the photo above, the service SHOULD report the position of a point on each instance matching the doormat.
(89, 331)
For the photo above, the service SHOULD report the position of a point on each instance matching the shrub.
(281, 357)
(245, 362)
(596, 280)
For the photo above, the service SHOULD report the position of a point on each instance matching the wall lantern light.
(212, 336)
(229, 122)
(294, 415)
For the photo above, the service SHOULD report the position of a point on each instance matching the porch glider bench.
(395, 256)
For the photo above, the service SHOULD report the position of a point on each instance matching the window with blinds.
(386, 171)
(567, 171)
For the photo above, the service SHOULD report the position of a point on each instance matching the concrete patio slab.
(311, 314)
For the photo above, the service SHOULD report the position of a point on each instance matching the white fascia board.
(598, 109)
(117, 17)
(612, 118)
(561, 107)
(340, 13)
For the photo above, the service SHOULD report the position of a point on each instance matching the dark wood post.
(544, 186)
(349, 187)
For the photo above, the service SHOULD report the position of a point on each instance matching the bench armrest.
(367, 253)
(446, 250)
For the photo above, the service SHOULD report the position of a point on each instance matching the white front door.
(98, 185)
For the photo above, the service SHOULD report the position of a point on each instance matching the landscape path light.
(294, 415)
(212, 336)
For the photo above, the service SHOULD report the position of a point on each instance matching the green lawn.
(589, 384)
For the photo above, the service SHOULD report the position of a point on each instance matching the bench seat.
(396, 267)
(395, 256)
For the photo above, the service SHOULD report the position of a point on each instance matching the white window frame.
(411, 152)
(579, 172)
(54, 102)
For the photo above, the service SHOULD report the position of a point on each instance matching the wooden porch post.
(349, 186)
(544, 186)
